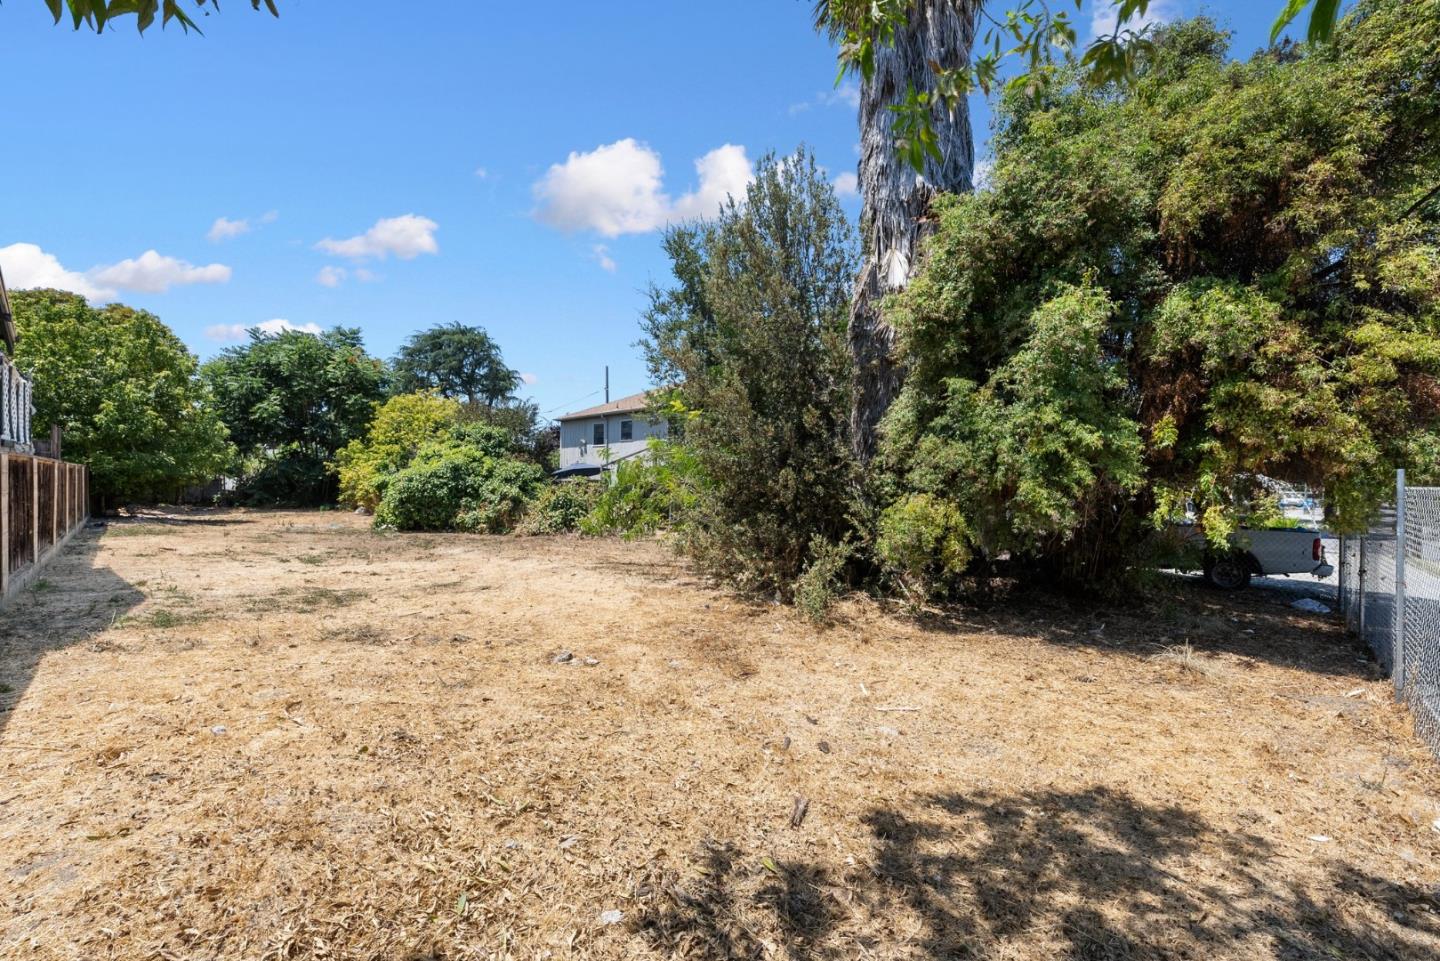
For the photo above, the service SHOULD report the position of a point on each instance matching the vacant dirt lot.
(281, 735)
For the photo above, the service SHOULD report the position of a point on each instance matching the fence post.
(1360, 588)
(1399, 671)
(1340, 583)
(34, 510)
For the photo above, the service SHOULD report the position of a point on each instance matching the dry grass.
(372, 754)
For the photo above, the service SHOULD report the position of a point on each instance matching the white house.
(601, 437)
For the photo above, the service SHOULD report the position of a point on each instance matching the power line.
(569, 403)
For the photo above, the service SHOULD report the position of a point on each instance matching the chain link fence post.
(1360, 587)
(1399, 642)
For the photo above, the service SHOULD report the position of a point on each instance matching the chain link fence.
(1390, 596)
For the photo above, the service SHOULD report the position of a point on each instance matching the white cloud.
(280, 325)
(618, 189)
(601, 255)
(224, 228)
(26, 266)
(1105, 15)
(154, 273)
(724, 172)
(407, 237)
(613, 190)
(528, 378)
(481, 173)
(846, 95)
(235, 332)
(847, 185)
(330, 276)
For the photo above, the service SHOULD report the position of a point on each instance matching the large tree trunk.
(896, 198)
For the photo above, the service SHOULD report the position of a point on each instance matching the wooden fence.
(42, 502)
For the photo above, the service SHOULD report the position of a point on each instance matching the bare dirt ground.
(281, 735)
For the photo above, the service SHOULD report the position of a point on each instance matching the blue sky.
(496, 164)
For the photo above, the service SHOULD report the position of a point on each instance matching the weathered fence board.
(42, 502)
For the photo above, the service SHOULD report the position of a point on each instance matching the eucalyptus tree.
(936, 154)
(915, 62)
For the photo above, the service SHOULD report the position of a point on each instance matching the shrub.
(647, 494)
(402, 425)
(290, 477)
(455, 486)
(820, 584)
(561, 507)
(923, 543)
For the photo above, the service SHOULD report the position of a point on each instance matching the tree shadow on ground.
(181, 517)
(1257, 624)
(1091, 875)
(72, 600)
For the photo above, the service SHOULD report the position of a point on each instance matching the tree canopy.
(751, 342)
(456, 361)
(1227, 272)
(123, 389)
(291, 400)
(1039, 34)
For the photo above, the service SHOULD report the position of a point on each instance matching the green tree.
(916, 62)
(124, 390)
(291, 401)
(402, 425)
(1172, 290)
(457, 361)
(751, 345)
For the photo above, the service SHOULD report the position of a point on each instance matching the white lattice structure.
(16, 408)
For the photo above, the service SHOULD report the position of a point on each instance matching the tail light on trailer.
(1316, 551)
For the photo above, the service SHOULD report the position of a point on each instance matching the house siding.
(577, 445)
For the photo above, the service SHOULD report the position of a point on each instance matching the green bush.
(402, 425)
(455, 486)
(561, 507)
(290, 477)
(820, 585)
(647, 494)
(923, 544)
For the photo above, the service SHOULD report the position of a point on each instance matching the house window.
(627, 430)
(600, 433)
